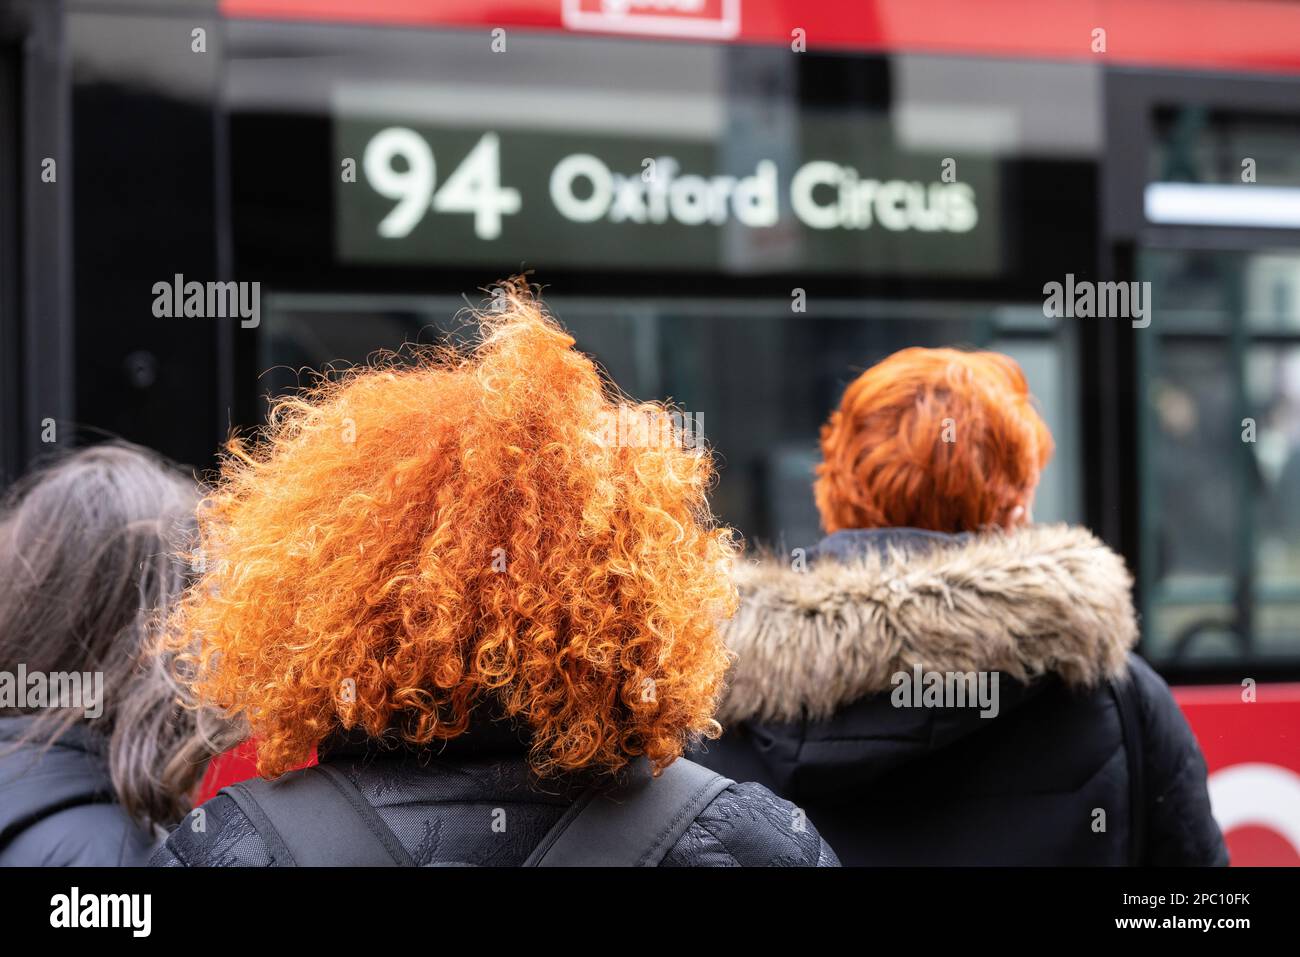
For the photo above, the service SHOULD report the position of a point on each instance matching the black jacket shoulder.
(441, 814)
(962, 699)
(57, 804)
(748, 826)
(1180, 830)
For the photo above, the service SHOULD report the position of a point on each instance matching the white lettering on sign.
(826, 195)
(474, 186)
(583, 189)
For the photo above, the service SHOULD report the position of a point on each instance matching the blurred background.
(735, 204)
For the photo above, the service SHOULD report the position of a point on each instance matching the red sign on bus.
(1252, 748)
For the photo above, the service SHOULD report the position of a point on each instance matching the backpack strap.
(318, 818)
(1124, 691)
(634, 824)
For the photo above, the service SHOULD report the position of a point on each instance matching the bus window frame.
(1132, 98)
(36, 327)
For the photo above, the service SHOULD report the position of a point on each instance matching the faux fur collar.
(1043, 599)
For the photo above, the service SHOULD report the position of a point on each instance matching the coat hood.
(812, 638)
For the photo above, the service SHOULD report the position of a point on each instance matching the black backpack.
(318, 818)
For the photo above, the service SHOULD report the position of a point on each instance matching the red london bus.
(917, 169)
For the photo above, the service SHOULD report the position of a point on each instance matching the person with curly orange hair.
(493, 617)
(939, 681)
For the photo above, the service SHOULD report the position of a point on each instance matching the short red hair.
(931, 438)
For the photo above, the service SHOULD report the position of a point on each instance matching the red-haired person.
(939, 681)
(494, 619)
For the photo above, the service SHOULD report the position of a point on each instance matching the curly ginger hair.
(406, 543)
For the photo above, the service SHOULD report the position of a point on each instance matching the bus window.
(1219, 385)
(758, 380)
(1221, 381)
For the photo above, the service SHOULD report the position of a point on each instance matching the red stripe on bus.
(1242, 35)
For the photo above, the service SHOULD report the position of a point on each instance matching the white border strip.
(1198, 204)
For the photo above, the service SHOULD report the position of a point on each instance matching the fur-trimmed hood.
(812, 638)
